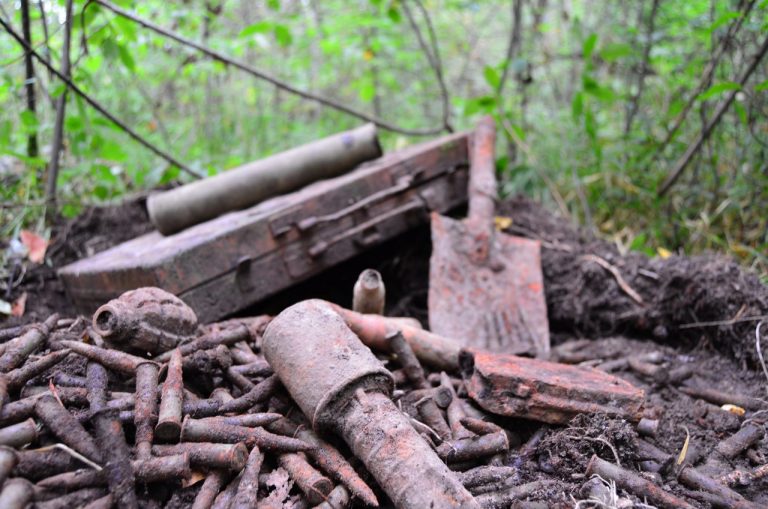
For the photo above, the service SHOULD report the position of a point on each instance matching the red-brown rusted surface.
(235, 260)
(486, 289)
(147, 320)
(545, 391)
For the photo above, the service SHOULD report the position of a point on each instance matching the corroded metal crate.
(238, 259)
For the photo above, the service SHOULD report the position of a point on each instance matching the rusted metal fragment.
(148, 320)
(545, 391)
(233, 261)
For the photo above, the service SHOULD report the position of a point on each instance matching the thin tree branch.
(29, 76)
(694, 147)
(706, 78)
(58, 128)
(262, 75)
(635, 102)
(97, 106)
(514, 42)
(46, 35)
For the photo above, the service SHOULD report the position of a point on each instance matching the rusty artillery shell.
(149, 320)
(66, 427)
(329, 459)
(211, 487)
(407, 359)
(22, 347)
(247, 491)
(369, 293)
(247, 420)
(117, 465)
(96, 379)
(193, 430)
(340, 385)
(633, 483)
(208, 455)
(16, 494)
(474, 447)
(145, 410)
(8, 460)
(338, 498)
(259, 393)
(212, 339)
(260, 368)
(169, 417)
(201, 408)
(20, 434)
(312, 483)
(22, 409)
(28, 371)
(121, 362)
(79, 498)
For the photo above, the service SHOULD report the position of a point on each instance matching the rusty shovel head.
(497, 305)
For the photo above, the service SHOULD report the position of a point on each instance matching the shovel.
(485, 288)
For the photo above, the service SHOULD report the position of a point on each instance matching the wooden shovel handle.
(482, 187)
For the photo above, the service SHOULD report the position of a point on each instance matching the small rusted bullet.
(260, 368)
(211, 487)
(338, 498)
(193, 430)
(96, 383)
(208, 455)
(743, 439)
(171, 402)
(66, 427)
(241, 353)
(148, 320)
(238, 380)
(222, 395)
(61, 379)
(79, 498)
(694, 479)
(480, 426)
(432, 416)
(486, 474)
(247, 420)
(507, 497)
(328, 458)
(201, 408)
(145, 410)
(648, 427)
(17, 411)
(247, 491)
(312, 483)
(115, 360)
(473, 448)
(407, 359)
(212, 339)
(20, 434)
(28, 371)
(17, 351)
(225, 496)
(633, 483)
(105, 502)
(16, 494)
(8, 460)
(369, 293)
(340, 385)
(455, 411)
(117, 465)
(35, 465)
(259, 393)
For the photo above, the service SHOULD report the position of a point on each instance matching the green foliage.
(562, 113)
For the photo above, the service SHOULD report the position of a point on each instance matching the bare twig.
(29, 75)
(616, 274)
(97, 106)
(264, 76)
(58, 128)
(694, 147)
(72, 453)
(760, 351)
(514, 42)
(635, 101)
(717, 323)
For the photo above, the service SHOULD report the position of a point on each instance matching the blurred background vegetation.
(596, 101)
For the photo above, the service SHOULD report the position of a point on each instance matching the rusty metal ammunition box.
(238, 259)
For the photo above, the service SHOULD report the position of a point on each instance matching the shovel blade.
(501, 310)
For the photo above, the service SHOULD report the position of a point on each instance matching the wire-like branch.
(514, 42)
(706, 77)
(97, 106)
(61, 105)
(29, 76)
(694, 147)
(264, 76)
(634, 103)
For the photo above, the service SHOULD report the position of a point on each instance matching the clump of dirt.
(686, 300)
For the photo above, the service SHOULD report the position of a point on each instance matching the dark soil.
(679, 296)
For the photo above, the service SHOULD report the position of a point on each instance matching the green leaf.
(56, 91)
(483, 104)
(261, 27)
(492, 77)
(29, 120)
(724, 19)
(741, 112)
(394, 13)
(73, 123)
(593, 88)
(169, 175)
(760, 87)
(615, 51)
(718, 89)
(367, 90)
(273, 4)
(589, 46)
(577, 105)
(283, 35)
(126, 58)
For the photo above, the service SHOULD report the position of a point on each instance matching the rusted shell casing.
(369, 293)
(545, 391)
(321, 375)
(251, 183)
(208, 455)
(16, 494)
(147, 320)
(339, 384)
